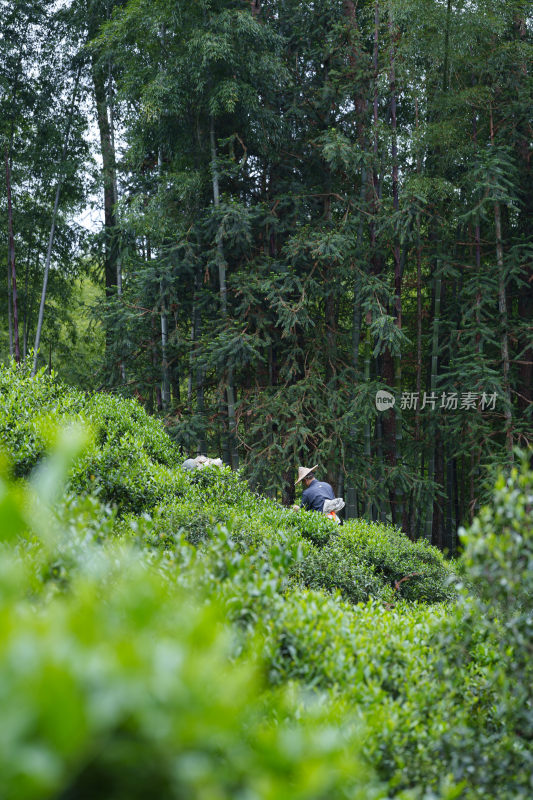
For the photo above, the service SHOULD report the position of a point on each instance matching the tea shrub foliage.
(173, 634)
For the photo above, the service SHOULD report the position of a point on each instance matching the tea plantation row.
(169, 634)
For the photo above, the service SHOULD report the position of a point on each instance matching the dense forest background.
(304, 203)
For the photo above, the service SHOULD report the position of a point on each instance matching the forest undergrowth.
(175, 634)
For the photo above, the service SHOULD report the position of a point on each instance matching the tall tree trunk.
(165, 375)
(116, 235)
(26, 301)
(230, 388)
(395, 194)
(457, 507)
(435, 472)
(9, 305)
(114, 179)
(165, 382)
(502, 309)
(523, 136)
(358, 59)
(387, 422)
(477, 245)
(437, 532)
(100, 82)
(330, 304)
(33, 292)
(12, 312)
(433, 386)
(198, 370)
(175, 370)
(367, 434)
(414, 522)
(398, 271)
(451, 524)
(155, 380)
(11, 249)
(385, 427)
(288, 490)
(376, 266)
(53, 223)
(380, 499)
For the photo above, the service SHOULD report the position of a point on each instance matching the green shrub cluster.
(335, 567)
(492, 631)
(175, 634)
(132, 461)
(132, 465)
(420, 567)
(123, 687)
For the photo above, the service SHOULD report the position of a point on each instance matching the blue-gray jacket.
(314, 497)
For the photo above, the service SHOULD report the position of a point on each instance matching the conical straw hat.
(304, 471)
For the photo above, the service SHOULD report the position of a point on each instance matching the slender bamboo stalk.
(432, 513)
(375, 149)
(368, 452)
(9, 306)
(32, 295)
(200, 403)
(356, 323)
(53, 224)
(114, 180)
(230, 389)
(11, 241)
(12, 288)
(433, 386)
(380, 500)
(416, 506)
(165, 386)
(25, 309)
(451, 521)
(418, 326)
(399, 498)
(190, 379)
(165, 378)
(477, 239)
(502, 309)
(416, 509)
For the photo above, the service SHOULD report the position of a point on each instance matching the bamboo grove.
(305, 204)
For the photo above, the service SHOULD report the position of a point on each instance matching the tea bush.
(493, 626)
(132, 465)
(420, 713)
(337, 569)
(175, 634)
(185, 517)
(132, 461)
(117, 419)
(220, 485)
(123, 474)
(317, 528)
(360, 560)
(123, 687)
(394, 557)
(368, 650)
(23, 403)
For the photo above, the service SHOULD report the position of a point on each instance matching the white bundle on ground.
(200, 462)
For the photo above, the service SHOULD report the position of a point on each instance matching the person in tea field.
(318, 495)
